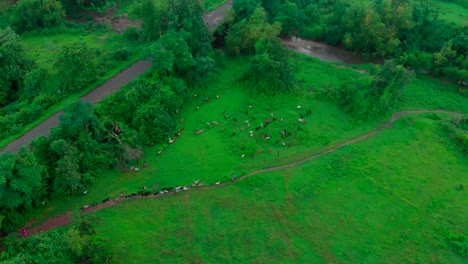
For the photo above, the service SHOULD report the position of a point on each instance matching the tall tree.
(243, 9)
(242, 36)
(13, 66)
(20, 185)
(270, 71)
(75, 66)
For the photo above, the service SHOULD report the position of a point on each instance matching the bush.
(458, 241)
(121, 54)
(29, 15)
(132, 34)
(316, 32)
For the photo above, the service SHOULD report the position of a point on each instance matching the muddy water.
(325, 52)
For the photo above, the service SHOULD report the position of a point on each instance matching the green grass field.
(453, 10)
(45, 49)
(379, 201)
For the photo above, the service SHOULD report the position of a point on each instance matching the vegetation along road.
(110, 86)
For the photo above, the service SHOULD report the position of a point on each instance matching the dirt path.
(214, 18)
(64, 219)
(107, 88)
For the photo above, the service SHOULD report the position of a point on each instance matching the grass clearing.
(45, 49)
(455, 11)
(379, 201)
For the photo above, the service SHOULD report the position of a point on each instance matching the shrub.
(29, 15)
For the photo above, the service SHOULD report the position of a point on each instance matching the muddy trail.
(64, 219)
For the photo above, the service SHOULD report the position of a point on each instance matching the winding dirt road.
(64, 219)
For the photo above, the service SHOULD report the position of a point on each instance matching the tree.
(20, 185)
(68, 178)
(151, 17)
(13, 66)
(75, 66)
(172, 54)
(290, 17)
(243, 9)
(29, 15)
(242, 36)
(186, 15)
(372, 96)
(269, 71)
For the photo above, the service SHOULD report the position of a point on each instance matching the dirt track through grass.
(64, 219)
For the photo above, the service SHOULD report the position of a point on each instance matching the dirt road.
(214, 18)
(107, 88)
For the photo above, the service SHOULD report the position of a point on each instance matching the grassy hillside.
(216, 154)
(384, 200)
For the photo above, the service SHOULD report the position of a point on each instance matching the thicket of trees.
(372, 96)
(29, 15)
(249, 32)
(77, 243)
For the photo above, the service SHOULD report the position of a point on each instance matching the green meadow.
(384, 200)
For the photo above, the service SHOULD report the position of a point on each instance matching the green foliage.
(72, 244)
(243, 36)
(78, 149)
(458, 241)
(20, 186)
(244, 9)
(290, 17)
(150, 15)
(147, 106)
(457, 130)
(29, 15)
(76, 67)
(13, 66)
(368, 98)
(270, 71)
